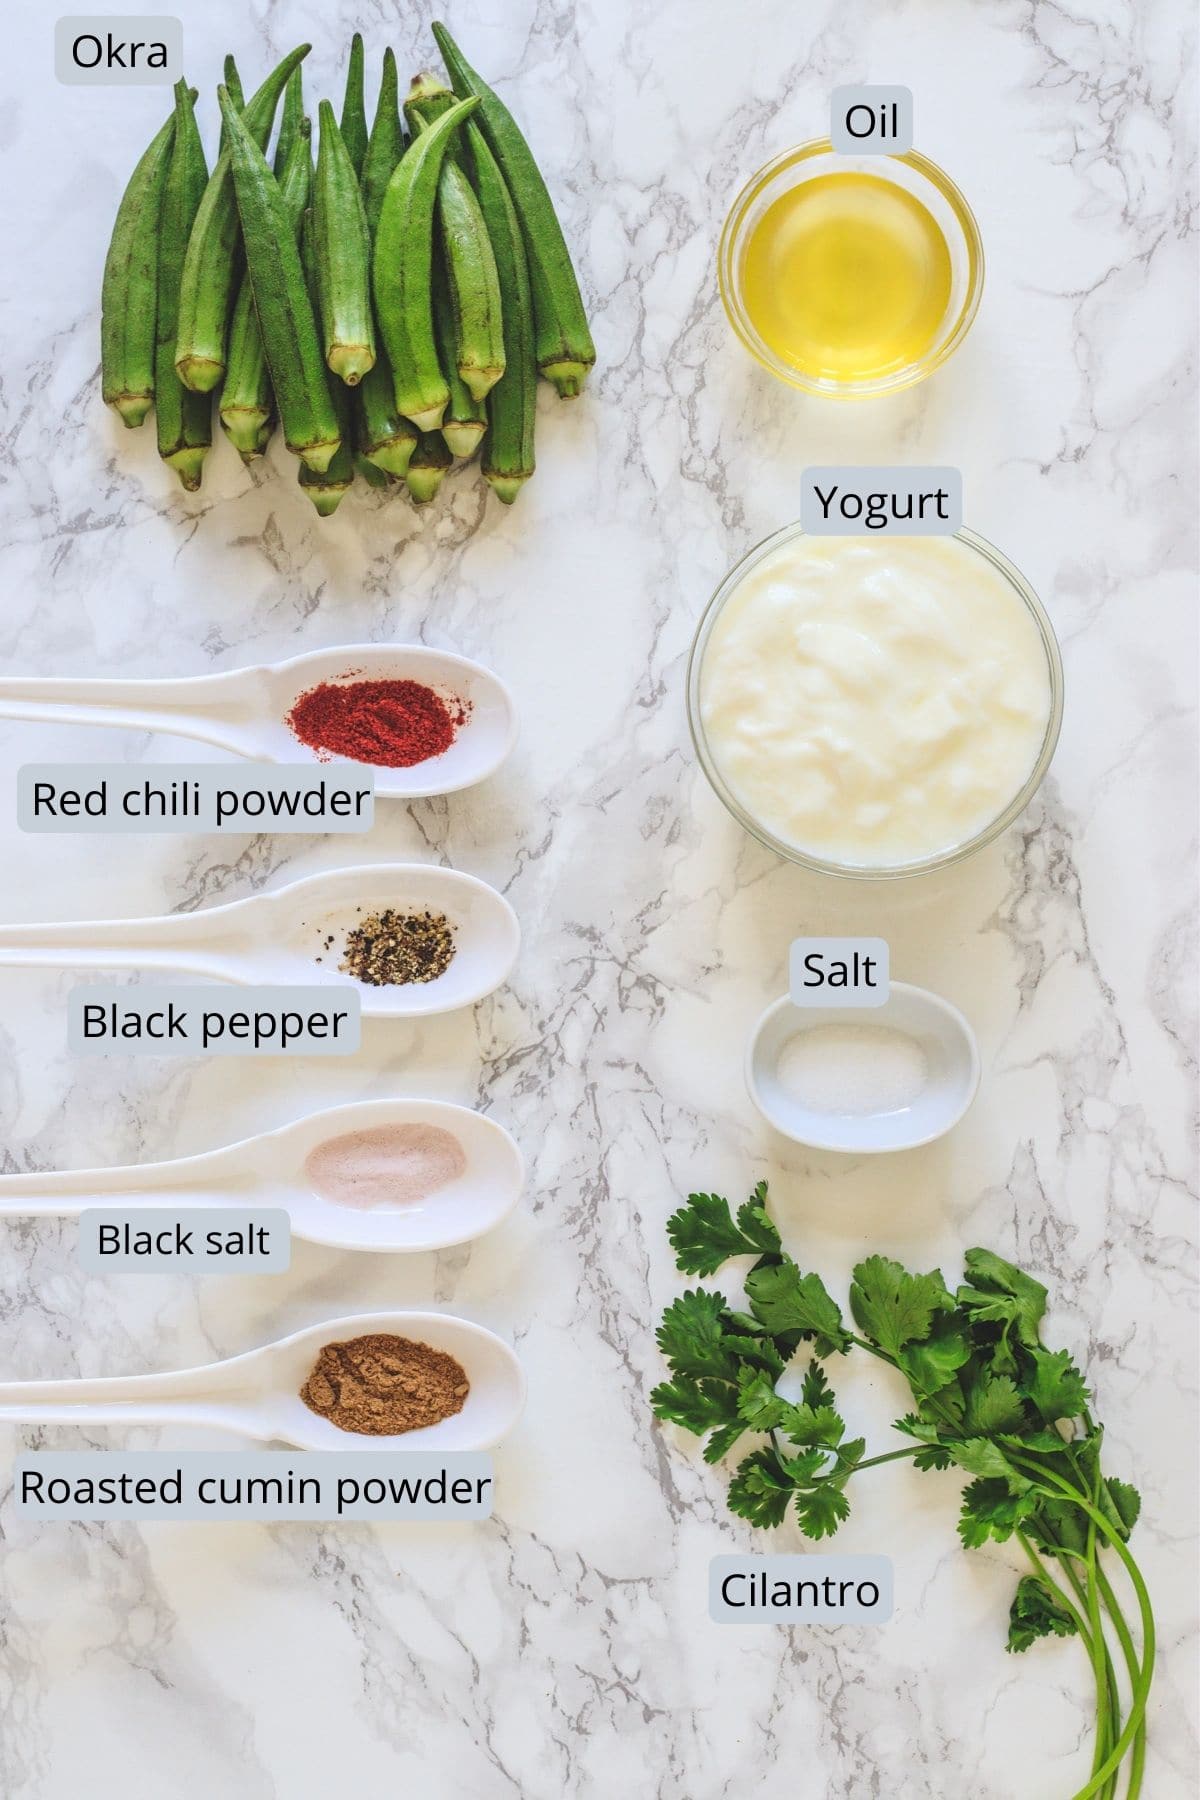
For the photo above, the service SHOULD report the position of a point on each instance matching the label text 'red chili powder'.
(393, 724)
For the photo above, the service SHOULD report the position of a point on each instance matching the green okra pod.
(427, 467)
(233, 82)
(341, 243)
(327, 487)
(465, 418)
(476, 347)
(129, 295)
(382, 436)
(210, 270)
(354, 105)
(403, 273)
(565, 351)
(184, 419)
(290, 119)
(385, 145)
(247, 397)
(508, 456)
(285, 313)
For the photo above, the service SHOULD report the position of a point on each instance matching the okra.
(247, 398)
(354, 106)
(326, 487)
(508, 458)
(342, 257)
(383, 438)
(403, 268)
(427, 468)
(565, 351)
(465, 418)
(184, 419)
(472, 285)
(285, 313)
(289, 121)
(233, 82)
(129, 295)
(385, 146)
(210, 268)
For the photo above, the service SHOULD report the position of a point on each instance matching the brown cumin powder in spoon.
(381, 1385)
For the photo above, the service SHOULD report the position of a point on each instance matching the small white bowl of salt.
(864, 1080)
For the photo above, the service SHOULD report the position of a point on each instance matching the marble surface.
(564, 1648)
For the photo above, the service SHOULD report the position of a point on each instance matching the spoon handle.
(40, 1399)
(99, 943)
(65, 1193)
(140, 705)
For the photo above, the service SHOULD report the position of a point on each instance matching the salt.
(859, 1069)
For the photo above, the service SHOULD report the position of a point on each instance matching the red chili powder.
(391, 723)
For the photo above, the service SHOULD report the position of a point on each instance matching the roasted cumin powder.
(394, 949)
(382, 1385)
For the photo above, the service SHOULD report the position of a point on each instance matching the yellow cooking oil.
(847, 277)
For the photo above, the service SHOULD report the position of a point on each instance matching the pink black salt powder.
(392, 1165)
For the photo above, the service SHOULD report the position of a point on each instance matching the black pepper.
(393, 949)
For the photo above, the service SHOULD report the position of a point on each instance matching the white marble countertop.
(564, 1647)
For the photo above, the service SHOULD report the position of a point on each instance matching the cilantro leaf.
(696, 1405)
(758, 1405)
(760, 1491)
(822, 1509)
(1036, 1613)
(1055, 1385)
(932, 1365)
(808, 1466)
(814, 1425)
(994, 1405)
(1127, 1503)
(704, 1235)
(893, 1307)
(999, 1292)
(722, 1440)
(816, 1390)
(980, 1456)
(1057, 1528)
(990, 1510)
(934, 1456)
(784, 1300)
(693, 1338)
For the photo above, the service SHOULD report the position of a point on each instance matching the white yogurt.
(872, 702)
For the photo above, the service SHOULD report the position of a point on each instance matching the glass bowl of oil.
(850, 275)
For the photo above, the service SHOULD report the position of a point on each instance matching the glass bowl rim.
(729, 284)
(941, 859)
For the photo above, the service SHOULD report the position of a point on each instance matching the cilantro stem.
(1141, 1690)
(1046, 1578)
(873, 1462)
(1138, 1760)
(1086, 1596)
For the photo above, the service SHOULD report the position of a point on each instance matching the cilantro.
(760, 1491)
(696, 1405)
(1055, 1385)
(987, 1397)
(895, 1308)
(784, 1300)
(704, 1235)
(693, 1338)
(1036, 1613)
(991, 1510)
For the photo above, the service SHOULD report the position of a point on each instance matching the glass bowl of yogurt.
(875, 706)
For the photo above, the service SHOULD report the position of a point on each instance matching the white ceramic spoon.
(269, 1170)
(257, 1394)
(277, 937)
(245, 710)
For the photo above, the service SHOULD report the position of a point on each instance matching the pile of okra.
(388, 304)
